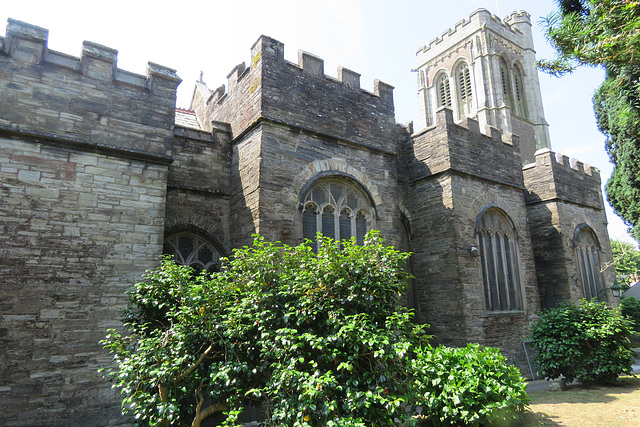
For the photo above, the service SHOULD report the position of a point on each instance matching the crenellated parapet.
(484, 68)
(464, 148)
(27, 43)
(554, 176)
(308, 64)
(89, 99)
(299, 95)
(478, 19)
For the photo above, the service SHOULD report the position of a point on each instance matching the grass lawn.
(580, 406)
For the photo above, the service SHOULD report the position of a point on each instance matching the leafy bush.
(588, 342)
(467, 386)
(313, 339)
(630, 308)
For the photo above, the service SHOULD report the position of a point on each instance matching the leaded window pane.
(309, 225)
(587, 262)
(595, 272)
(514, 300)
(491, 273)
(499, 261)
(482, 241)
(328, 222)
(192, 250)
(361, 228)
(185, 245)
(345, 225)
(340, 199)
(502, 280)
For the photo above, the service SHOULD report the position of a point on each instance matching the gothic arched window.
(465, 95)
(338, 209)
(588, 261)
(192, 250)
(506, 83)
(521, 105)
(500, 260)
(444, 91)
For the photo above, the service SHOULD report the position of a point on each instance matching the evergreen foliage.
(630, 308)
(310, 339)
(471, 386)
(589, 342)
(607, 33)
(627, 261)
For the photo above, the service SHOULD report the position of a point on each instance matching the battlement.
(517, 16)
(477, 19)
(88, 100)
(462, 147)
(299, 96)
(444, 118)
(27, 44)
(309, 64)
(554, 176)
(545, 157)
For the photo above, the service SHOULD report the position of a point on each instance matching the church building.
(100, 175)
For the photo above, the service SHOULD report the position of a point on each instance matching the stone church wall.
(506, 330)
(434, 264)
(306, 124)
(455, 173)
(198, 185)
(291, 159)
(561, 195)
(94, 174)
(83, 164)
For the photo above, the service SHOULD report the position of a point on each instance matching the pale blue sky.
(375, 38)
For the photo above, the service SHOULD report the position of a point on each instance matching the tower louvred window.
(519, 95)
(444, 91)
(506, 83)
(464, 80)
(465, 93)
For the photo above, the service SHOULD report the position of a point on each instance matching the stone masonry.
(100, 174)
(84, 156)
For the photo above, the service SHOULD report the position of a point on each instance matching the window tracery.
(338, 209)
(192, 250)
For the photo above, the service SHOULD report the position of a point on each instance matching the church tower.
(485, 69)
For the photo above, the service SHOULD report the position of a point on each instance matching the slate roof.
(187, 118)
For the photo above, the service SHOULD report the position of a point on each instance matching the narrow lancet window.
(444, 91)
(465, 95)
